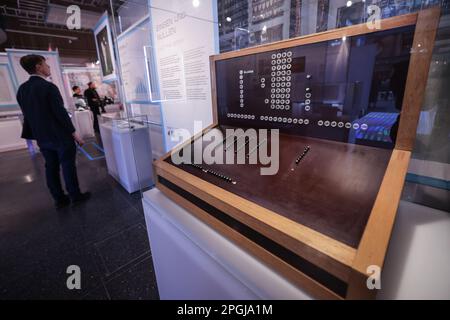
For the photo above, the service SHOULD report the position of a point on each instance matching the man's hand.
(77, 139)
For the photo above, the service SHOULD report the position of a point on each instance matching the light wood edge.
(298, 278)
(327, 253)
(185, 143)
(389, 23)
(416, 82)
(375, 240)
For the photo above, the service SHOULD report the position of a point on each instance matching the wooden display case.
(324, 222)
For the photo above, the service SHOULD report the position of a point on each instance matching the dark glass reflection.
(349, 89)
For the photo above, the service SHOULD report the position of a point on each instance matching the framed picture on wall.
(323, 7)
(105, 52)
(348, 16)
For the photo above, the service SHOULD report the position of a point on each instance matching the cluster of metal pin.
(300, 157)
(221, 176)
(212, 172)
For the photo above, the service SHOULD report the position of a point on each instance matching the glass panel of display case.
(348, 89)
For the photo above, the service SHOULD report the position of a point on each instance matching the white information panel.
(132, 45)
(52, 59)
(184, 38)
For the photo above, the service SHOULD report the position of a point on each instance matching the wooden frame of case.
(340, 260)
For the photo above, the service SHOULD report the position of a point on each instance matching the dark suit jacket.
(91, 95)
(45, 118)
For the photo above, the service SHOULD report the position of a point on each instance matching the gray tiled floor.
(106, 237)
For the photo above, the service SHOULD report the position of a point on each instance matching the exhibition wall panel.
(8, 102)
(52, 58)
(184, 38)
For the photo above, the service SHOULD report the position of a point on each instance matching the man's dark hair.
(30, 61)
(75, 88)
(89, 83)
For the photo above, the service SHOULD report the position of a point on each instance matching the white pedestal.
(192, 261)
(118, 143)
(83, 122)
(418, 258)
(110, 108)
(10, 131)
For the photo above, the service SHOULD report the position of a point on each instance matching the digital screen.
(348, 90)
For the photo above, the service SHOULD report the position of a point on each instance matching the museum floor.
(106, 237)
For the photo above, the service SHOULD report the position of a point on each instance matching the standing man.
(94, 103)
(78, 98)
(77, 92)
(47, 121)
